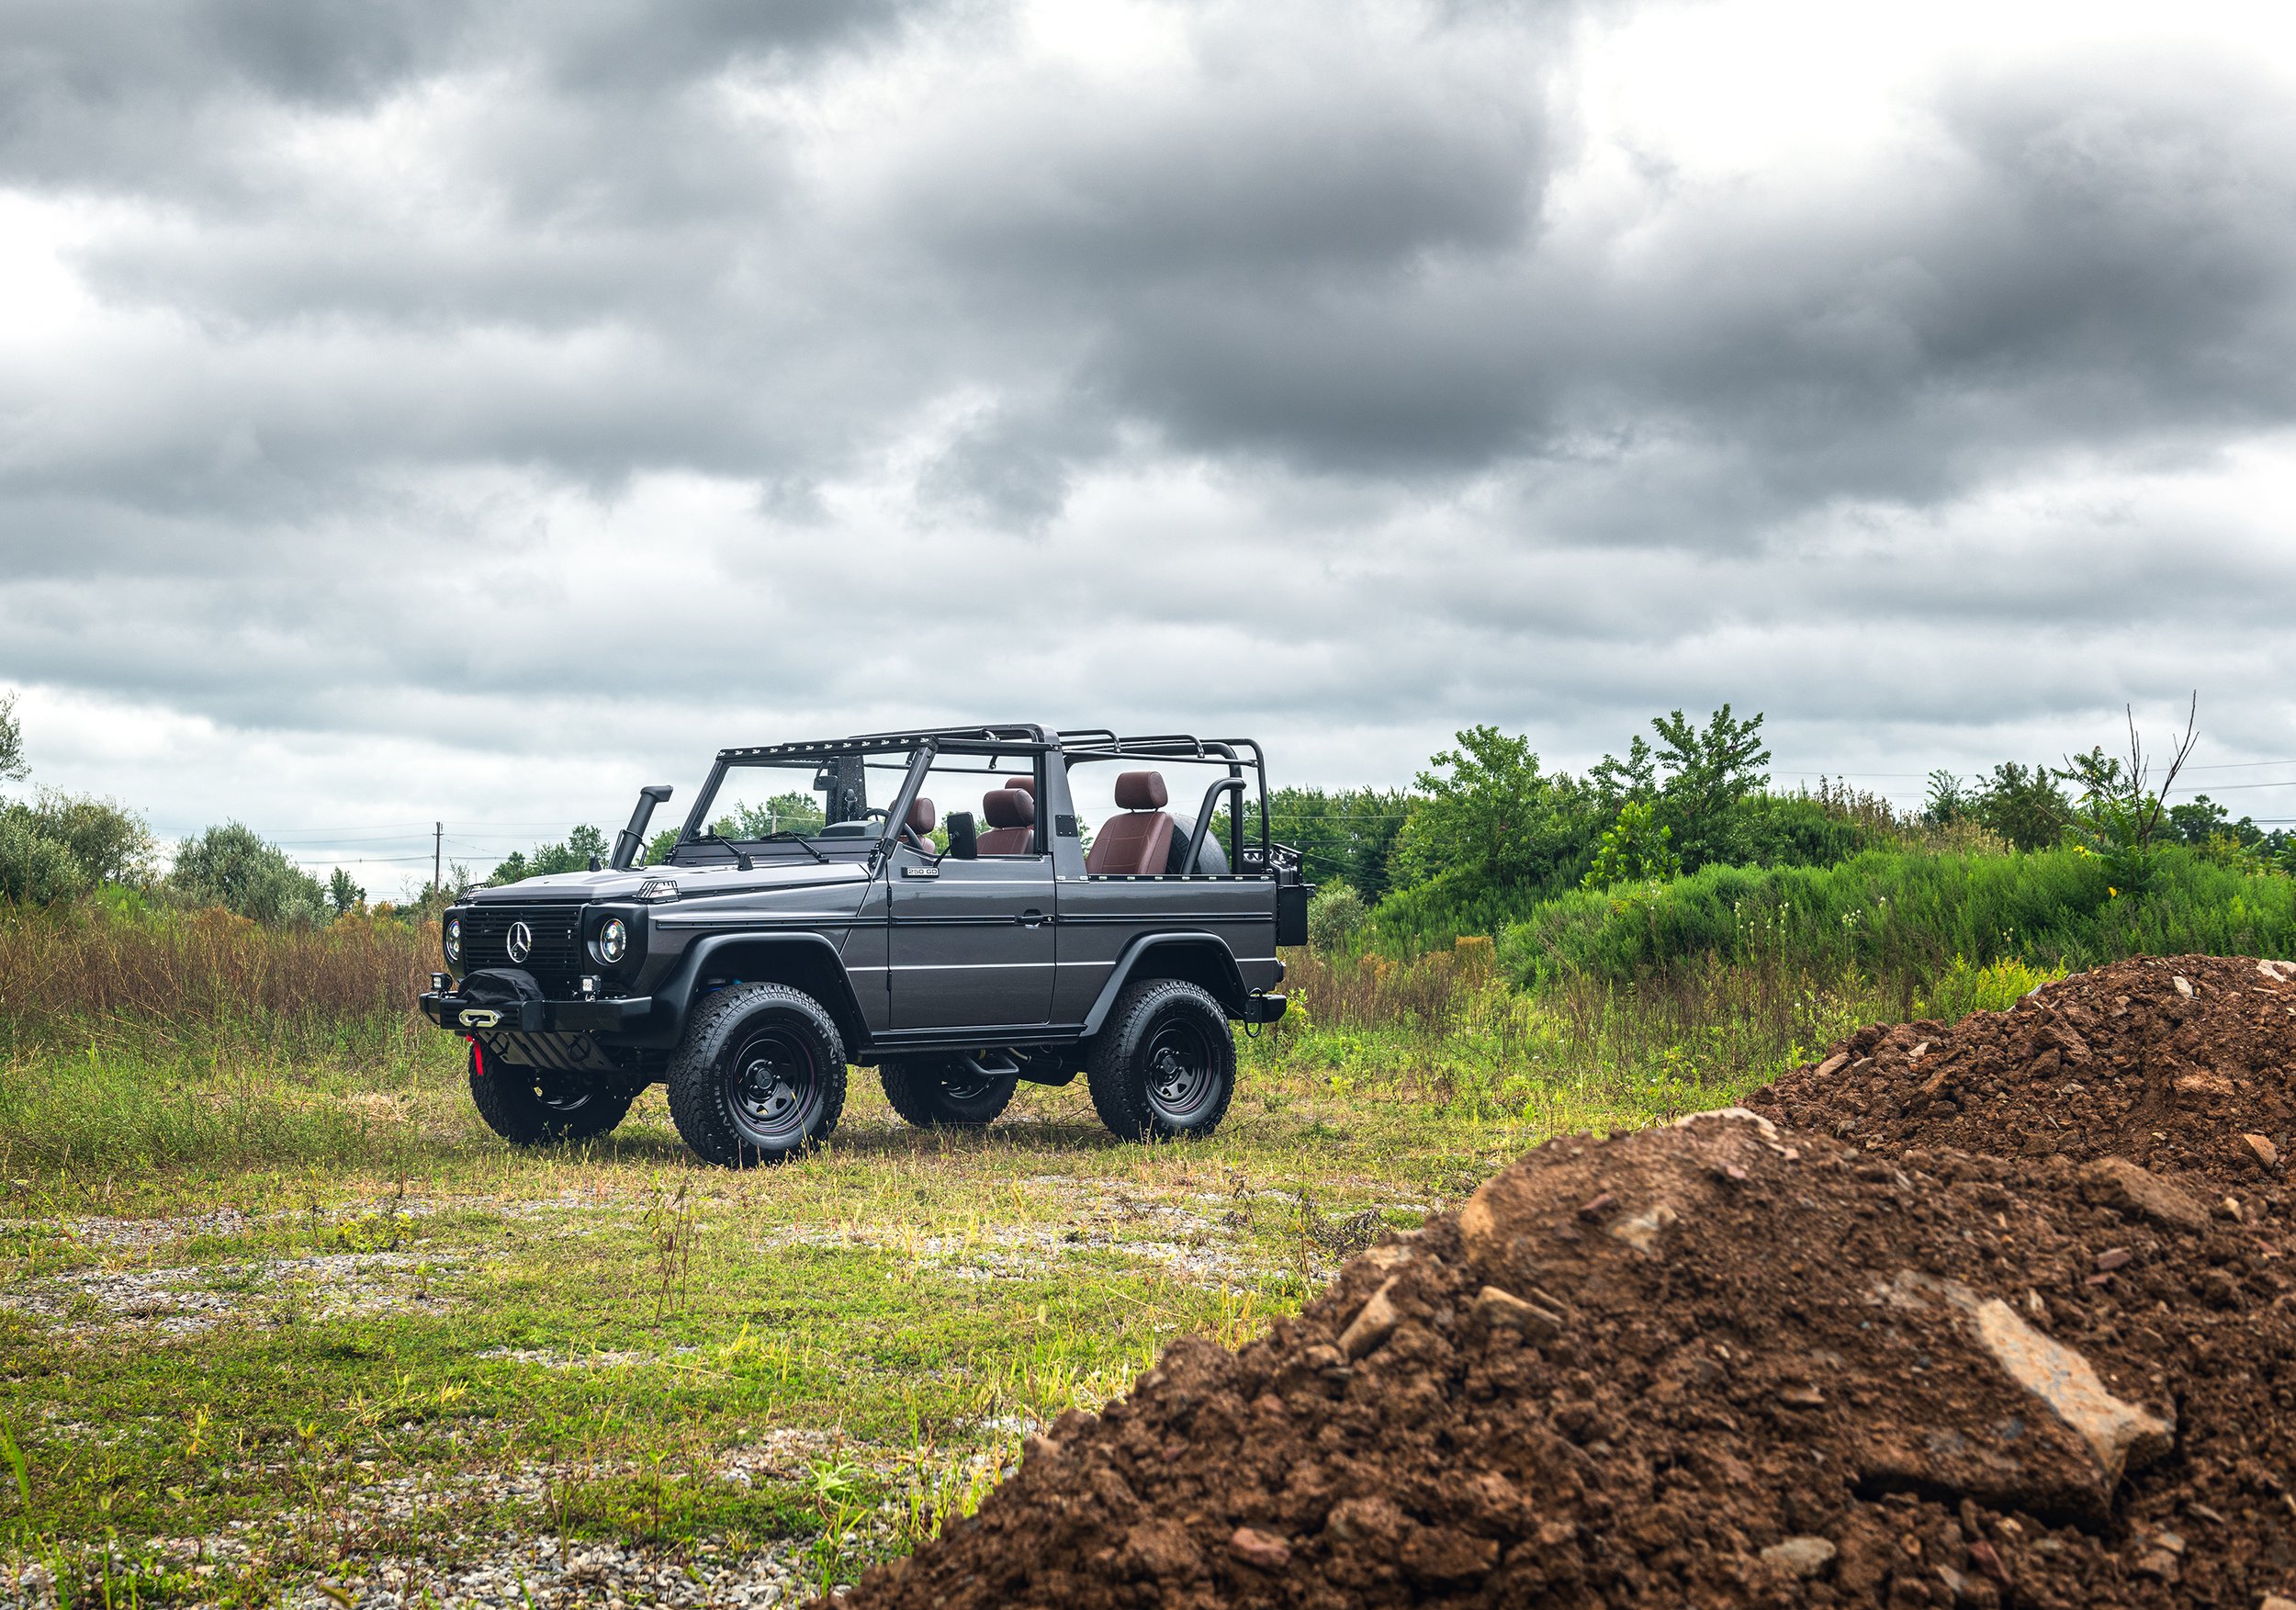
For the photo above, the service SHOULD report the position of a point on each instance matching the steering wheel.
(908, 835)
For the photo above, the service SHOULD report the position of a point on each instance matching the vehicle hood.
(692, 883)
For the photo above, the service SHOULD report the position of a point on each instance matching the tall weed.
(1582, 1051)
(163, 983)
(1890, 915)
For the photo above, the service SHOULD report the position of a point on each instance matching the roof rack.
(1016, 732)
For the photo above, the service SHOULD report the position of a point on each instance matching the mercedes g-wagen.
(962, 908)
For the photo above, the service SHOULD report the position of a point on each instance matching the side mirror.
(964, 841)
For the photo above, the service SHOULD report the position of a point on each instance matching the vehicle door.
(971, 941)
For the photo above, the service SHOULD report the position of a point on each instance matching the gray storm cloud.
(466, 408)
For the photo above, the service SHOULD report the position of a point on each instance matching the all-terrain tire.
(1162, 1067)
(941, 1093)
(759, 1077)
(534, 1106)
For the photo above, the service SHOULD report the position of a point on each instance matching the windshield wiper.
(791, 836)
(741, 856)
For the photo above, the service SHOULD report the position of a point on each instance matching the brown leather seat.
(922, 819)
(1140, 841)
(1011, 813)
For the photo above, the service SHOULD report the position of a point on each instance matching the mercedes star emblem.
(522, 941)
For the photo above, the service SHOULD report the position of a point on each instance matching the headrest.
(1025, 784)
(1140, 791)
(922, 815)
(1008, 807)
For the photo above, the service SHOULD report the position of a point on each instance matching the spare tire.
(1211, 858)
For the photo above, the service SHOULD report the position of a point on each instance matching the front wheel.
(537, 1107)
(759, 1077)
(1163, 1065)
(943, 1094)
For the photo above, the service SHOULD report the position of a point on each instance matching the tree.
(2022, 806)
(1635, 777)
(1948, 800)
(1495, 823)
(1708, 773)
(573, 856)
(35, 869)
(2121, 815)
(1347, 834)
(111, 843)
(784, 812)
(12, 766)
(231, 866)
(344, 894)
(60, 845)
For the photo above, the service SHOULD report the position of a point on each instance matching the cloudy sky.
(420, 409)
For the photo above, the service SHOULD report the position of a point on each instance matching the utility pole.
(438, 841)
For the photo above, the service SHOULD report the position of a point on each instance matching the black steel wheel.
(759, 1077)
(1163, 1065)
(942, 1092)
(539, 1107)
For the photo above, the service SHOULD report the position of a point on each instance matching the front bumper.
(464, 1015)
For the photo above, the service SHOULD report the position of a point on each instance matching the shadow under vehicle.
(795, 927)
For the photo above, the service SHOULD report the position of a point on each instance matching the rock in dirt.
(1257, 1549)
(2118, 1182)
(2119, 1434)
(1373, 1324)
(1988, 1425)
(2115, 1063)
(1504, 1307)
(1802, 1556)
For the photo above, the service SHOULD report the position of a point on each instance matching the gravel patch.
(173, 1302)
(545, 1573)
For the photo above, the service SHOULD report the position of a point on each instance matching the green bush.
(232, 867)
(34, 868)
(1636, 847)
(1334, 915)
(1893, 913)
(63, 846)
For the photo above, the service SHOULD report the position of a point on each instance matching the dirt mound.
(2187, 1064)
(1718, 1364)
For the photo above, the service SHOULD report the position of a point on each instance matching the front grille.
(557, 959)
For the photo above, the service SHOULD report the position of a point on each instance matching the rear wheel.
(759, 1077)
(942, 1092)
(537, 1107)
(1164, 1067)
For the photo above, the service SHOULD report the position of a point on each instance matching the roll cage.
(841, 763)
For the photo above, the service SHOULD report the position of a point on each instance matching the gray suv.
(795, 926)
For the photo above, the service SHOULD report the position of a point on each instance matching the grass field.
(298, 1327)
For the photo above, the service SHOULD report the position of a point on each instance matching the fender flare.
(1223, 977)
(674, 1000)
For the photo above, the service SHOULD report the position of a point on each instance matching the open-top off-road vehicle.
(794, 927)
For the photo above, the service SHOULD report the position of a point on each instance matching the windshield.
(789, 802)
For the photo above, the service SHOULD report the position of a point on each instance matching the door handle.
(1032, 918)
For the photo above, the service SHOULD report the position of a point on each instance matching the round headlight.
(454, 939)
(614, 940)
